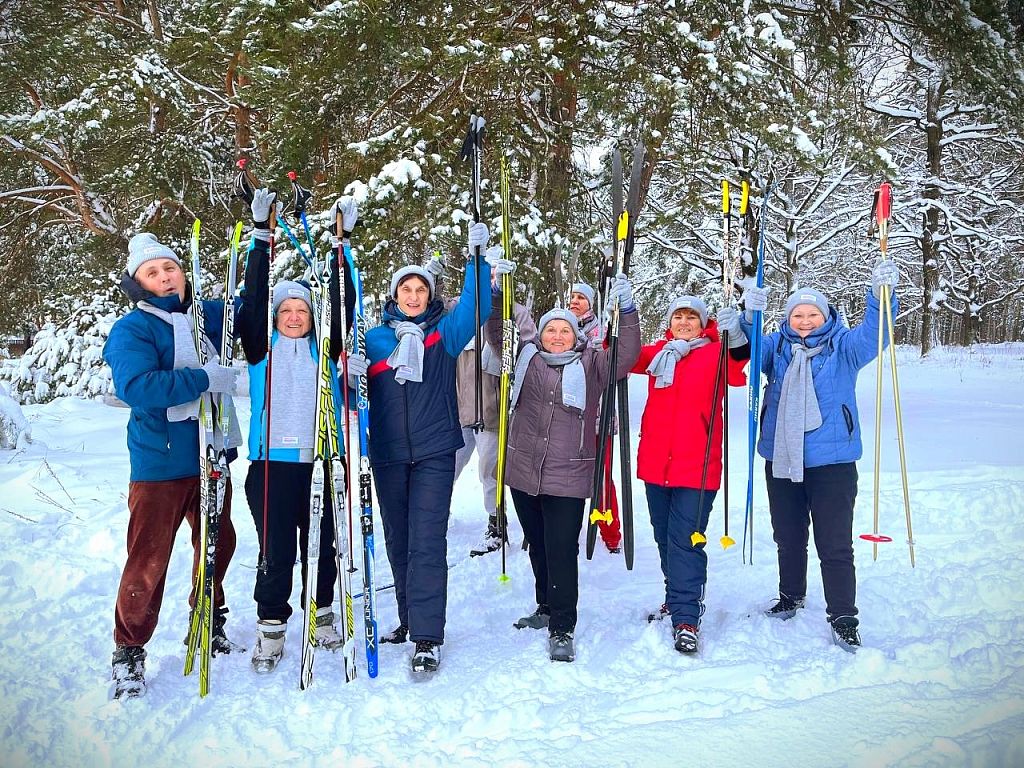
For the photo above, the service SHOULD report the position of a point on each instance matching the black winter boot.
(128, 671)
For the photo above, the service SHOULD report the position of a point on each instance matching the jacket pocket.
(848, 418)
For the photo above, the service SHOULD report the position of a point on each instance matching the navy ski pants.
(415, 501)
(674, 517)
(552, 525)
(825, 498)
(288, 513)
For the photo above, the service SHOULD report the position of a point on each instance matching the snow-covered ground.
(940, 681)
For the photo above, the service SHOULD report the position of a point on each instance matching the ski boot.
(220, 642)
(536, 620)
(326, 634)
(785, 608)
(398, 635)
(561, 646)
(491, 542)
(269, 645)
(845, 634)
(684, 638)
(427, 657)
(128, 671)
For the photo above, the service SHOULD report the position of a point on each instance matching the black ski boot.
(220, 642)
(398, 635)
(785, 608)
(536, 620)
(659, 614)
(491, 542)
(427, 657)
(128, 671)
(845, 634)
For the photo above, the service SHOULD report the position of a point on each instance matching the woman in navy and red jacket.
(410, 361)
(673, 442)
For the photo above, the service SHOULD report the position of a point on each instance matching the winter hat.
(143, 247)
(289, 289)
(561, 314)
(688, 302)
(411, 271)
(586, 290)
(807, 296)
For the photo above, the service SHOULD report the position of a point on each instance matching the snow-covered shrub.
(14, 429)
(66, 358)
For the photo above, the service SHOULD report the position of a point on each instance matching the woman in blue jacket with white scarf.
(810, 437)
(410, 362)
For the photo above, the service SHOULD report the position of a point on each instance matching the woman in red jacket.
(673, 441)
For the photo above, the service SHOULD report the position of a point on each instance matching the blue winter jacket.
(140, 353)
(416, 420)
(252, 330)
(834, 371)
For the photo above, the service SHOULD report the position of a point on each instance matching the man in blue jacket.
(156, 371)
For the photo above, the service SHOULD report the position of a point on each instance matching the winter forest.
(126, 115)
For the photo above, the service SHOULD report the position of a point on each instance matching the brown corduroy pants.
(156, 510)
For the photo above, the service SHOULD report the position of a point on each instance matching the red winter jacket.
(674, 428)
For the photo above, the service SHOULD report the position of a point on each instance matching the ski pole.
(472, 147)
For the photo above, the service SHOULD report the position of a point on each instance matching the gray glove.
(358, 365)
(263, 201)
(478, 235)
(885, 273)
(754, 300)
(729, 322)
(622, 292)
(222, 377)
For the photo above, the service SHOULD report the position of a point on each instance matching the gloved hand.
(622, 292)
(500, 265)
(435, 266)
(222, 378)
(478, 237)
(263, 202)
(885, 273)
(349, 210)
(358, 365)
(754, 300)
(729, 322)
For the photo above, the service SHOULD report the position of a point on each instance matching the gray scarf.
(663, 366)
(574, 380)
(407, 358)
(798, 413)
(185, 356)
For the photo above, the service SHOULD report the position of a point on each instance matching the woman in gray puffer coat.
(552, 446)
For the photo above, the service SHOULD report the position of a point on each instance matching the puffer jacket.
(140, 353)
(552, 447)
(847, 350)
(674, 427)
(416, 420)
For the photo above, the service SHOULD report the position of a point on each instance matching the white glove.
(222, 378)
(477, 237)
(263, 201)
(621, 291)
(885, 273)
(500, 265)
(349, 210)
(358, 365)
(435, 266)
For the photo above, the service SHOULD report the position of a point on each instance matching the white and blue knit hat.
(144, 247)
(807, 296)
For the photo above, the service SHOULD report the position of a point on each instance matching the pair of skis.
(214, 472)
(327, 466)
(616, 391)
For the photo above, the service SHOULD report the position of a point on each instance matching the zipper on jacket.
(848, 418)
